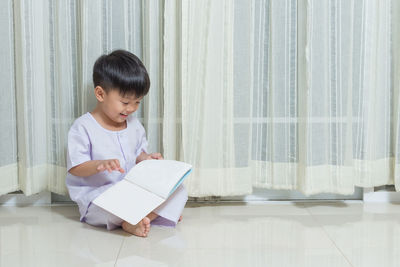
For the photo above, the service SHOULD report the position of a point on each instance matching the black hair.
(123, 71)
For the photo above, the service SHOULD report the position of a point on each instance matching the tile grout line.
(119, 251)
(329, 237)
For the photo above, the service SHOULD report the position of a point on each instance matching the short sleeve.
(78, 146)
(142, 140)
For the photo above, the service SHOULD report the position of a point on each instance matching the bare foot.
(141, 229)
(180, 218)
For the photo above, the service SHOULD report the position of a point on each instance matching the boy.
(103, 145)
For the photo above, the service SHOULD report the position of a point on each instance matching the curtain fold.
(32, 63)
(153, 31)
(8, 136)
(172, 80)
(207, 99)
(276, 157)
(395, 78)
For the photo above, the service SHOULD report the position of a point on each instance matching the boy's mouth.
(123, 115)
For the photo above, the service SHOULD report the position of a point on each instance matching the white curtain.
(286, 94)
(8, 136)
(395, 76)
(208, 96)
(48, 51)
(282, 94)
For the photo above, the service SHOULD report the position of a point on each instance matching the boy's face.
(117, 107)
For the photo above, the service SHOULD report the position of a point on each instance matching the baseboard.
(371, 196)
(46, 198)
(19, 199)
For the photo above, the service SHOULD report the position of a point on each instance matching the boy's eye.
(125, 103)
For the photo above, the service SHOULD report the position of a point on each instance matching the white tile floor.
(265, 234)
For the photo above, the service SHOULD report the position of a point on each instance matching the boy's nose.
(131, 109)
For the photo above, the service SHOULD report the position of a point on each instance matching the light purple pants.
(168, 212)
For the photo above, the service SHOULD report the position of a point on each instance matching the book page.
(128, 201)
(158, 176)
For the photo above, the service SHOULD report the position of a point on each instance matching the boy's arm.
(145, 156)
(92, 167)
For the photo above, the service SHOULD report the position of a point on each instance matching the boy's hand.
(145, 156)
(109, 165)
(155, 156)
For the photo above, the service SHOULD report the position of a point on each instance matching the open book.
(146, 186)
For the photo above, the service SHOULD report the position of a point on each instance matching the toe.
(146, 221)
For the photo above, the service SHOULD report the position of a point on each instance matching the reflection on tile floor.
(261, 234)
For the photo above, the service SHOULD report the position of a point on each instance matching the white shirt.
(88, 140)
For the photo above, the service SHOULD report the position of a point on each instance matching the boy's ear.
(99, 93)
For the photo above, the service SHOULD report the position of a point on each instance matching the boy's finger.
(157, 156)
(116, 162)
(100, 167)
(113, 166)
(121, 170)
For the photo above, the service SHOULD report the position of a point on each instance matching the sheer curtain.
(208, 94)
(8, 136)
(395, 76)
(47, 57)
(325, 97)
(282, 94)
(287, 94)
